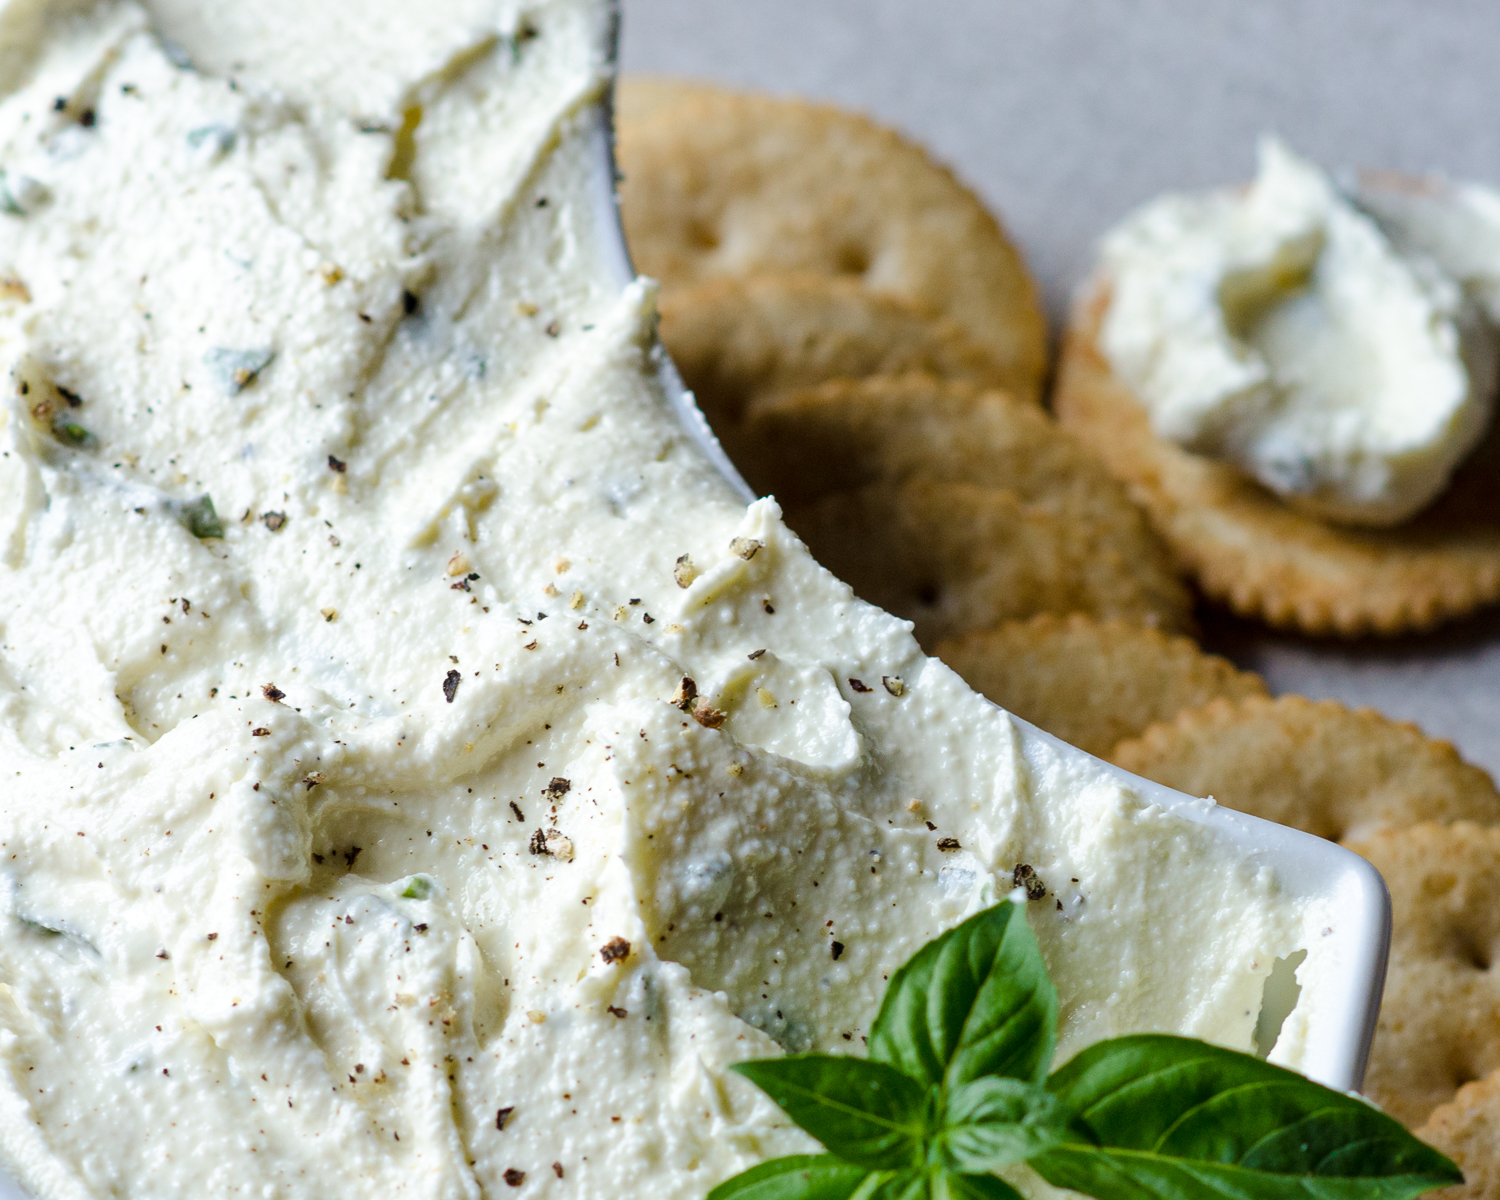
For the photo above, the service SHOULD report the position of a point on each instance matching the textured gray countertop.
(1067, 113)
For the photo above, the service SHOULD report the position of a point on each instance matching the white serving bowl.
(1347, 932)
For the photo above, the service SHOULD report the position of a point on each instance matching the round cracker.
(847, 434)
(1314, 765)
(1467, 1130)
(1439, 1024)
(725, 183)
(1264, 559)
(1093, 683)
(737, 342)
(952, 557)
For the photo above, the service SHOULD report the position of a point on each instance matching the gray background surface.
(1064, 114)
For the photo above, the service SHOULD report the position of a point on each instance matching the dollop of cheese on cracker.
(1283, 328)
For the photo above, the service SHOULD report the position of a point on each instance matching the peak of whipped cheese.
(1337, 359)
(362, 832)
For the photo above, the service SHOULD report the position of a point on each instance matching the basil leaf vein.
(975, 1001)
(992, 1122)
(867, 1113)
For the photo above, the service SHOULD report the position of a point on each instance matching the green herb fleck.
(8, 202)
(956, 1087)
(237, 369)
(70, 433)
(418, 887)
(20, 194)
(199, 516)
(217, 139)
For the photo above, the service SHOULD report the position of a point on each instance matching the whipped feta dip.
(423, 772)
(1337, 360)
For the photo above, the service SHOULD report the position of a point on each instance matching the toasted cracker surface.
(1263, 559)
(1314, 765)
(1093, 683)
(850, 433)
(1467, 1130)
(738, 342)
(1439, 1025)
(953, 557)
(726, 183)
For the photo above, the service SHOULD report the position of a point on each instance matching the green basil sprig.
(956, 1086)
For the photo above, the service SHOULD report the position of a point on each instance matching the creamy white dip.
(1280, 328)
(361, 851)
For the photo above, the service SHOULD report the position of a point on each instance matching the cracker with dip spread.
(724, 183)
(1314, 765)
(1301, 398)
(739, 341)
(1438, 1021)
(1093, 683)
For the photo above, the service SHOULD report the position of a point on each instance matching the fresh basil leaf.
(1142, 1175)
(1171, 1116)
(801, 1177)
(904, 1185)
(951, 1186)
(992, 1122)
(976, 1001)
(865, 1112)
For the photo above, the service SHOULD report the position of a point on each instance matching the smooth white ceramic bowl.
(1345, 968)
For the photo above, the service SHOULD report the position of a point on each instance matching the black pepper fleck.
(615, 950)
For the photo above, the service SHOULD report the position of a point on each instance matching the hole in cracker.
(1278, 998)
(702, 236)
(1463, 1070)
(1480, 954)
(927, 593)
(852, 260)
